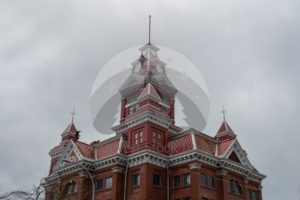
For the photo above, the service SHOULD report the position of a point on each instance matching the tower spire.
(149, 29)
(224, 113)
(73, 113)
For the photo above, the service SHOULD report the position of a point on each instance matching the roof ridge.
(82, 142)
(101, 143)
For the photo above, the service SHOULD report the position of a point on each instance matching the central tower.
(147, 104)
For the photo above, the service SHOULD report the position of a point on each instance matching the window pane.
(136, 180)
(141, 134)
(239, 189)
(186, 179)
(159, 136)
(156, 180)
(230, 186)
(213, 182)
(203, 180)
(108, 182)
(176, 181)
(253, 195)
(99, 184)
(54, 196)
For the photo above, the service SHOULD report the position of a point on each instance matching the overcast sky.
(248, 52)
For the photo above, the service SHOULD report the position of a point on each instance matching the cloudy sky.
(248, 52)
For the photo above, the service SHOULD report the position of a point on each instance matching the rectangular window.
(208, 181)
(141, 136)
(156, 180)
(99, 184)
(138, 137)
(176, 181)
(204, 180)
(136, 180)
(156, 138)
(108, 182)
(186, 179)
(253, 195)
(136, 140)
(213, 182)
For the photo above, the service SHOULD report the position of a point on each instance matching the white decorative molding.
(240, 152)
(195, 166)
(117, 170)
(222, 172)
(194, 141)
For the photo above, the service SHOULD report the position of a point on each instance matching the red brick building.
(150, 157)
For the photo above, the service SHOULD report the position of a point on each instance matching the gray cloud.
(51, 51)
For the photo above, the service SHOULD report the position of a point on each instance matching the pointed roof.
(70, 128)
(225, 132)
(150, 91)
(70, 132)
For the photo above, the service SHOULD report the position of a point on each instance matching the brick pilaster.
(245, 188)
(195, 180)
(221, 184)
(118, 183)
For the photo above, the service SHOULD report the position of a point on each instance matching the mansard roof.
(181, 147)
(192, 140)
(180, 144)
(108, 148)
(86, 150)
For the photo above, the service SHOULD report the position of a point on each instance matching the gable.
(234, 157)
(237, 154)
(70, 153)
(72, 157)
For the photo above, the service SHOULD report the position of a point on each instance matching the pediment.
(237, 154)
(234, 157)
(70, 154)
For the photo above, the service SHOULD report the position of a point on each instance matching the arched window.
(235, 187)
(239, 189)
(54, 196)
(231, 186)
(70, 188)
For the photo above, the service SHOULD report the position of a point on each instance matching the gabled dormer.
(229, 146)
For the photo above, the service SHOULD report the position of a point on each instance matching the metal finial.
(73, 113)
(149, 34)
(224, 113)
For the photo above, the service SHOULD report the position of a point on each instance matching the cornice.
(156, 119)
